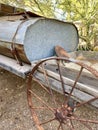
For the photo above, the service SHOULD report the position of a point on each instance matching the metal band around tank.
(13, 49)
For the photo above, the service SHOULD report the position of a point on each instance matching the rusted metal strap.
(13, 49)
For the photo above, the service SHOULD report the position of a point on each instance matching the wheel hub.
(62, 113)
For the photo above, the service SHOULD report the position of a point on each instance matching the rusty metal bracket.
(13, 48)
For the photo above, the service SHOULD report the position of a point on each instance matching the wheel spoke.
(84, 123)
(71, 123)
(70, 127)
(78, 76)
(41, 108)
(41, 101)
(62, 127)
(59, 126)
(43, 123)
(61, 78)
(49, 86)
(41, 85)
(85, 102)
(83, 120)
(87, 126)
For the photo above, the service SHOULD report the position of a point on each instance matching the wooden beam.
(78, 93)
(12, 66)
(6, 9)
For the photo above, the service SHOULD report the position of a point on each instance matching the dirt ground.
(14, 111)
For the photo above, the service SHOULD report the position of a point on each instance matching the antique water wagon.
(29, 47)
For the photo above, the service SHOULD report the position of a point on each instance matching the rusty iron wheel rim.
(64, 114)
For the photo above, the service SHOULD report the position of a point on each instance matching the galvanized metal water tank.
(36, 37)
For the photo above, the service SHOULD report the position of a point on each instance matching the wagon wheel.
(57, 112)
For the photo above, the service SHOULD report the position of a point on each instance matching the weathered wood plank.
(6, 8)
(91, 90)
(12, 66)
(71, 72)
(77, 94)
(85, 55)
